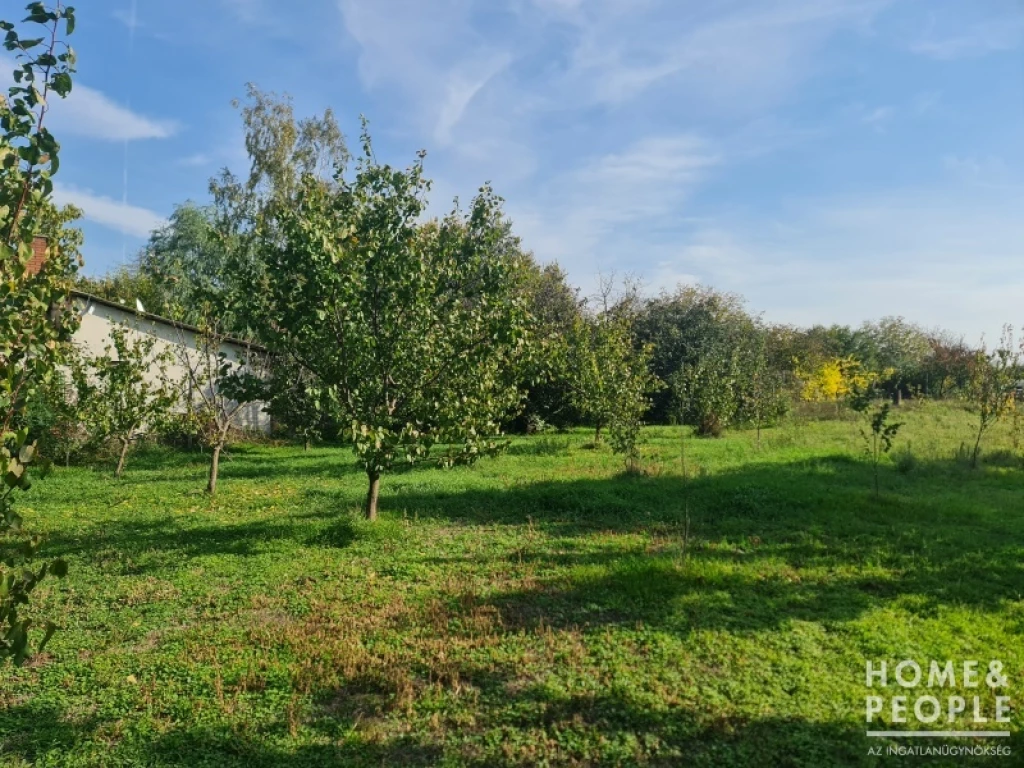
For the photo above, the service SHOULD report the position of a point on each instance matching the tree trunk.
(597, 434)
(371, 495)
(305, 446)
(211, 483)
(120, 462)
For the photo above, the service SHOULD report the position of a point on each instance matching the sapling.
(878, 432)
(992, 388)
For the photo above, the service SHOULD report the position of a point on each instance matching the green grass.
(537, 609)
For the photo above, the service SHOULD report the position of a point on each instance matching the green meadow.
(540, 608)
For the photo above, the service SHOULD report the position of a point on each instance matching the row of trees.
(421, 338)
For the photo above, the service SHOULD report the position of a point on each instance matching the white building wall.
(93, 337)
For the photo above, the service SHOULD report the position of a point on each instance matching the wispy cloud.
(91, 113)
(582, 217)
(978, 39)
(198, 160)
(943, 257)
(127, 219)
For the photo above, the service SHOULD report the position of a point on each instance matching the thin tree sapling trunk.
(125, 442)
(211, 484)
(372, 494)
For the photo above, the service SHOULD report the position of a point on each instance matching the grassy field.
(541, 608)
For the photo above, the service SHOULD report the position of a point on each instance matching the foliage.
(56, 415)
(292, 397)
(555, 307)
(129, 389)
(609, 377)
(879, 431)
(35, 319)
(412, 330)
(834, 380)
(685, 327)
(125, 285)
(992, 387)
(707, 390)
(896, 347)
(630, 399)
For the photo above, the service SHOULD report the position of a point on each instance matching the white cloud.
(947, 258)
(198, 160)
(88, 112)
(739, 60)
(977, 39)
(127, 219)
(91, 113)
(460, 90)
(582, 217)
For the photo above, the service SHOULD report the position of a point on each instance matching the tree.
(762, 395)
(684, 327)
(555, 307)
(834, 380)
(630, 401)
(707, 390)
(125, 285)
(126, 396)
(186, 263)
(219, 385)
(895, 346)
(55, 417)
(992, 389)
(413, 330)
(609, 376)
(290, 392)
(284, 152)
(878, 431)
(36, 323)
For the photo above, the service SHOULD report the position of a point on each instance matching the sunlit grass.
(543, 607)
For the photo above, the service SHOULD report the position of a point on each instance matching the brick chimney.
(39, 246)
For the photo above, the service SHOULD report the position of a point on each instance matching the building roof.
(92, 299)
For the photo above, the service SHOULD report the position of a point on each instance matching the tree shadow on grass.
(765, 544)
(30, 730)
(179, 540)
(531, 724)
(513, 725)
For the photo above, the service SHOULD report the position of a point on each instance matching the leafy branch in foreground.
(35, 321)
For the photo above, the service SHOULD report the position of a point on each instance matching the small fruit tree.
(412, 330)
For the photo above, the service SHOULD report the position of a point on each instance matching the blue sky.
(831, 160)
